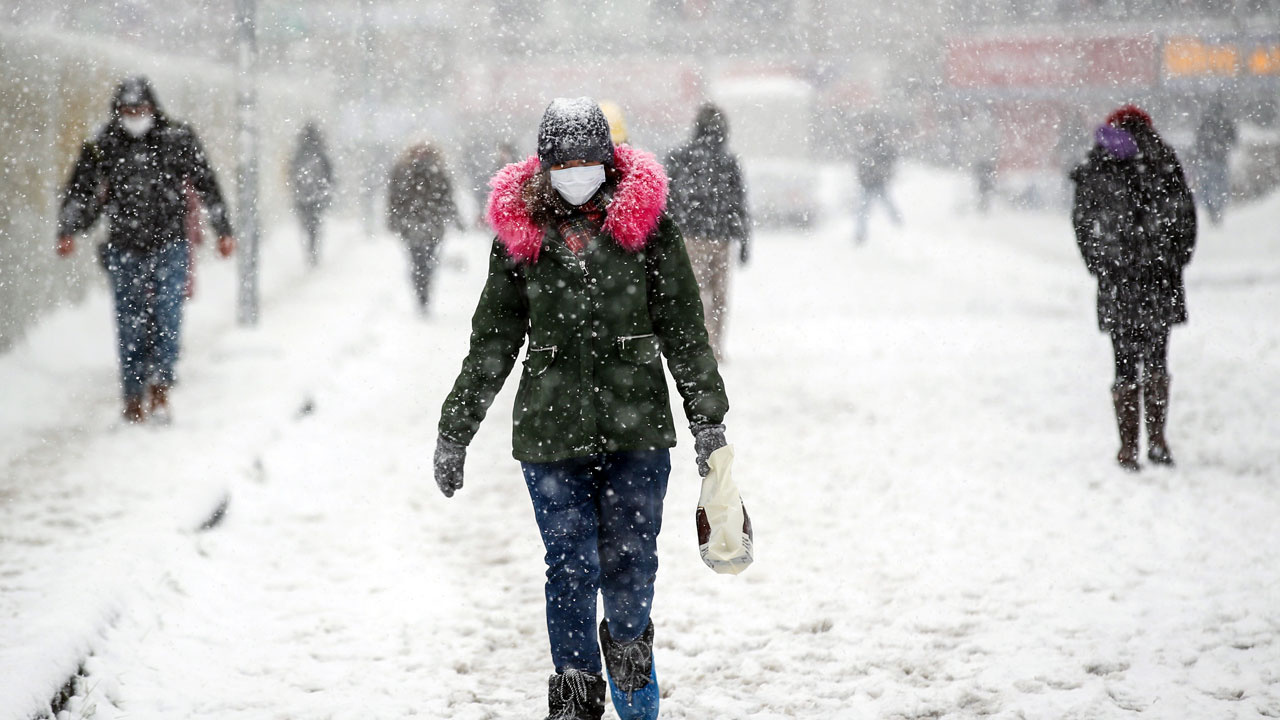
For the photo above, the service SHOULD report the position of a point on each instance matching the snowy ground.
(923, 436)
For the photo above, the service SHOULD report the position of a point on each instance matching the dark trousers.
(149, 289)
(1140, 355)
(870, 194)
(599, 517)
(311, 228)
(423, 259)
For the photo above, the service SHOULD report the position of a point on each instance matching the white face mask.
(577, 184)
(137, 125)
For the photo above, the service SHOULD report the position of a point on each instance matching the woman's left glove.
(706, 440)
(449, 459)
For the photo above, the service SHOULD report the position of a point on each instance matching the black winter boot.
(633, 679)
(630, 664)
(575, 695)
(1126, 399)
(1156, 395)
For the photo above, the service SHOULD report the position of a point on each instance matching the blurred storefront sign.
(1244, 59)
(1037, 88)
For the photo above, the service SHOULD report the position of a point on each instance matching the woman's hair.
(545, 204)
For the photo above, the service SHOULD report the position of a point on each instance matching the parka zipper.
(624, 339)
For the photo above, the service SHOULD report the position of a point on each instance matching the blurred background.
(1016, 83)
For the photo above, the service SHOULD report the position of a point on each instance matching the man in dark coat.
(1215, 137)
(876, 163)
(136, 172)
(312, 176)
(709, 204)
(419, 206)
(1135, 223)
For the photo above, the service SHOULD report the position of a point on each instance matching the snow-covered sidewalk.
(923, 436)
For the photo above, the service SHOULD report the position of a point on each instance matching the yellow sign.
(1184, 57)
(1265, 60)
(1193, 57)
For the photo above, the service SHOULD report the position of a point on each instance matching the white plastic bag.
(724, 529)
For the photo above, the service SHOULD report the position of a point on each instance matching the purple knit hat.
(1118, 143)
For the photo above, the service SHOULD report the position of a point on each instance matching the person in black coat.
(137, 173)
(708, 201)
(419, 206)
(312, 183)
(1135, 223)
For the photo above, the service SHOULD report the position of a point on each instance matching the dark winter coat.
(598, 325)
(138, 183)
(1135, 223)
(876, 161)
(420, 196)
(312, 173)
(708, 199)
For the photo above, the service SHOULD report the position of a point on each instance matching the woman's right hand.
(66, 245)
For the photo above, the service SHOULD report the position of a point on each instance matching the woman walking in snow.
(587, 266)
(1135, 223)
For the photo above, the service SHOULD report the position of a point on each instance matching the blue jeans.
(149, 290)
(599, 517)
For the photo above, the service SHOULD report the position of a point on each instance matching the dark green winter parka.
(598, 322)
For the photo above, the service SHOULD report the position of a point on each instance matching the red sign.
(1052, 62)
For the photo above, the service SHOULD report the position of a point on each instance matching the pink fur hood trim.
(637, 205)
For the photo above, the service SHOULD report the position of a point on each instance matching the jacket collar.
(638, 203)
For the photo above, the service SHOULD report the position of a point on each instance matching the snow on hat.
(574, 129)
(1129, 116)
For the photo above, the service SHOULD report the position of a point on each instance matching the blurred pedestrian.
(134, 172)
(587, 267)
(419, 206)
(709, 204)
(312, 184)
(1135, 223)
(1215, 137)
(876, 163)
(984, 160)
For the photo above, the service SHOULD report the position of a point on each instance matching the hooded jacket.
(708, 200)
(598, 324)
(138, 182)
(420, 196)
(1135, 224)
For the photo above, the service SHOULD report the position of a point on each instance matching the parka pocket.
(639, 349)
(539, 359)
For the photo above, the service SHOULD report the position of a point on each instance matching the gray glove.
(448, 464)
(706, 440)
